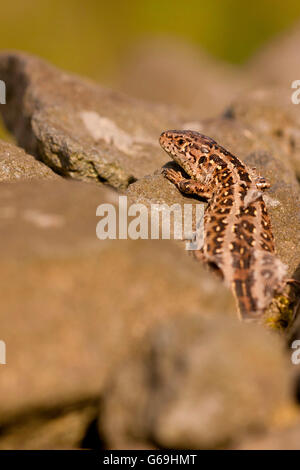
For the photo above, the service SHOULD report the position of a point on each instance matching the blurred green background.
(89, 37)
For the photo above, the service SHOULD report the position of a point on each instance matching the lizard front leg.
(187, 186)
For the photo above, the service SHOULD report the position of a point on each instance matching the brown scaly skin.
(238, 238)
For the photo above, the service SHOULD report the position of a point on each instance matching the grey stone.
(79, 128)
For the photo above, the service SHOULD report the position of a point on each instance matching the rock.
(156, 189)
(64, 427)
(171, 71)
(196, 382)
(274, 119)
(72, 305)
(79, 128)
(277, 62)
(15, 165)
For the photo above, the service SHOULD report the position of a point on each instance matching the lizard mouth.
(166, 141)
(163, 140)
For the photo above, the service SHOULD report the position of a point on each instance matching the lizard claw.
(172, 175)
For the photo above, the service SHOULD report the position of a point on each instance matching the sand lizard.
(238, 239)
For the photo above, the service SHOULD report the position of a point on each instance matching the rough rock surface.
(16, 165)
(156, 189)
(79, 128)
(196, 383)
(72, 305)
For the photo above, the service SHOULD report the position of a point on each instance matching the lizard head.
(187, 148)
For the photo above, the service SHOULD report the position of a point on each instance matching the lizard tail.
(255, 289)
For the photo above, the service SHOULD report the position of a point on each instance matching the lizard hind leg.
(255, 293)
(262, 183)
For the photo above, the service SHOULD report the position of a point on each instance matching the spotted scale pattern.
(238, 239)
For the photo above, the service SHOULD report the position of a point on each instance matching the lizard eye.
(180, 142)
